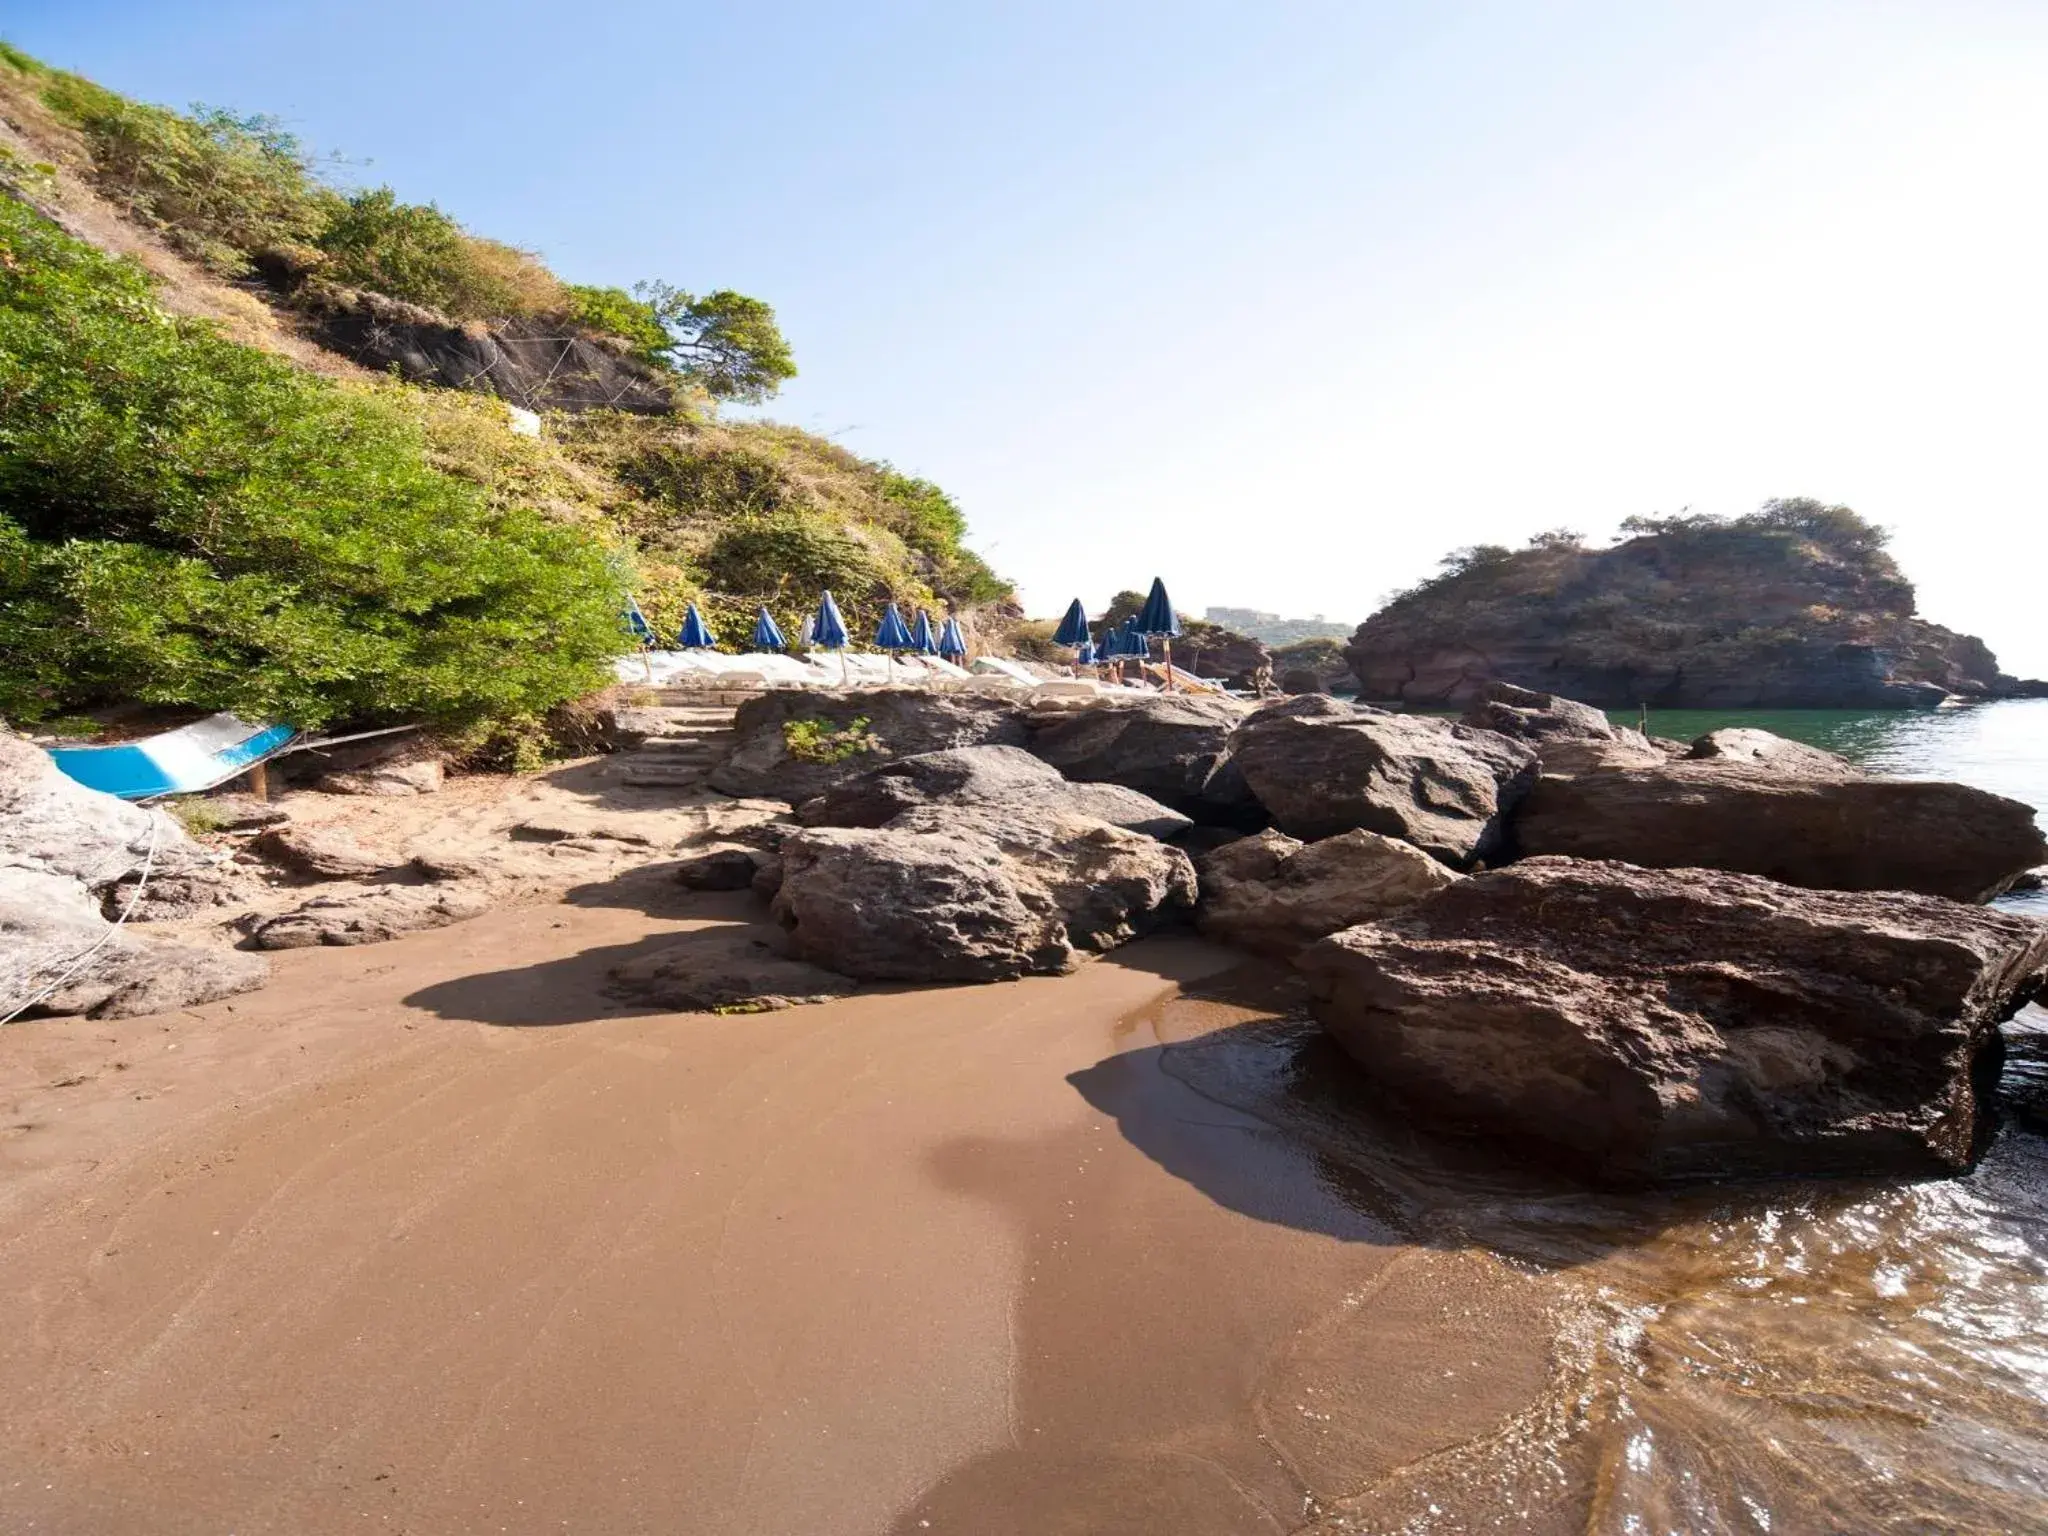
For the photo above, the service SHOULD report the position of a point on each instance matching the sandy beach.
(431, 1237)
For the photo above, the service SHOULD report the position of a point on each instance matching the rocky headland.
(1796, 606)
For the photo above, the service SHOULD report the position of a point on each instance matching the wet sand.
(430, 1237)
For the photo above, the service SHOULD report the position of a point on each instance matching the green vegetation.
(731, 515)
(1318, 655)
(190, 521)
(241, 194)
(187, 521)
(415, 252)
(815, 741)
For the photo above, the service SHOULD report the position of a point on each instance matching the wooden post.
(259, 781)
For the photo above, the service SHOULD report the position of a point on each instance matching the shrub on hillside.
(218, 186)
(415, 252)
(187, 521)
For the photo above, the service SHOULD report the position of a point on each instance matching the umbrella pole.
(1166, 645)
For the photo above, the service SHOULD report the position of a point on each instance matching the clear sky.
(1278, 301)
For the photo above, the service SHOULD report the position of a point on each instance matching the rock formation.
(723, 970)
(884, 905)
(1568, 737)
(1685, 1024)
(989, 868)
(856, 732)
(984, 776)
(1173, 747)
(368, 914)
(1796, 606)
(1828, 830)
(66, 854)
(51, 924)
(1272, 892)
(1321, 767)
(1764, 749)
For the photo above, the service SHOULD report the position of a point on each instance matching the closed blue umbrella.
(1110, 648)
(1085, 656)
(828, 628)
(767, 636)
(695, 635)
(828, 631)
(1073, 628)
(636, 622)
(1133, 642)
(921, 638)
(952, 642)
(892, 634)
(1158, 618)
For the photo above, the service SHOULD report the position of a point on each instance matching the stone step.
(660, 778)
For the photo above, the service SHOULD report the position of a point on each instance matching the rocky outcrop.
(323, 852)
(539, 365)
(1272, 892)
(990, 866)
(368, 915)
(1822, 830)
(1174, 747)
(795, 745)
(722, 971)
(1654, 1025)
(53, 932)
(1763, 749)
(883, 905)
(1567, 736)
(71, 858)
(1794, 607)
(1321, 766)
(1008, 778)
(721, 869)
(52, 824)
(1210, 650)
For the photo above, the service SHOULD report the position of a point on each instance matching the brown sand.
(428, 1237)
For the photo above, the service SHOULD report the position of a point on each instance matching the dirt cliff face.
(1785, 609)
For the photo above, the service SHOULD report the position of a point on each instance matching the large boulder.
(1003, 778)
(1764, 749)
(1820, 829)
(1322, 766)
(887, 905)
(1567, 736)
(1528, 715)
(52, 931)
(795, 744)
(1685, 1024)
(1174, 747)
(1272, 892)
(51, 823)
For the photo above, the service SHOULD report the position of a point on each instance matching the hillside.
(1794, 606)
(256, 448)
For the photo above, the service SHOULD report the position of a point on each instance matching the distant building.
(1274, 630)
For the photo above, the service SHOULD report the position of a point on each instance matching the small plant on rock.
(815, 741)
